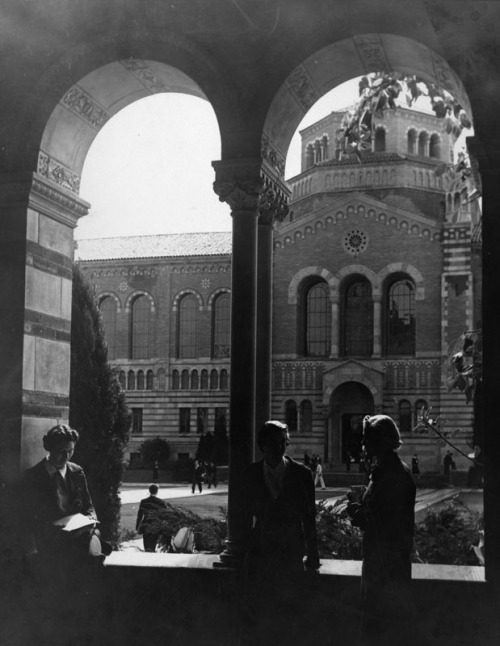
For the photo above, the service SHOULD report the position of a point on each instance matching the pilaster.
(36, 257)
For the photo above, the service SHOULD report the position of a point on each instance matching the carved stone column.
(334, 342)
(272, 207)
(486, 411)
(36, 261)
(239, 183)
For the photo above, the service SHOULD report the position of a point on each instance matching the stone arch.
(293, 287)
(403, 268)
(340, 379)
(368, 273)
(102, 295)
(354, 56)
(131, 298)
(87, 86)
(214, 294)
(184, 292)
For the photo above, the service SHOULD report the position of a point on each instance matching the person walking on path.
(156, 472)
(318, 479)
(147, 518)
(198, 476)
(415, 469)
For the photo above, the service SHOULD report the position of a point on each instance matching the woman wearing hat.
(385, 512)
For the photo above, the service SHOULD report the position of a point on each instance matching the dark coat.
(148, 511)
(387, 517)
(285, 528)
(41, 502)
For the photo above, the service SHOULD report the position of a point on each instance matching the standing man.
(198, 473)
(147, 518)
(415, 469)
(279, 537)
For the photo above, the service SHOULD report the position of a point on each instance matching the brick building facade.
(375, 278)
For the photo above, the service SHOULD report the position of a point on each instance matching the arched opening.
(349, 403)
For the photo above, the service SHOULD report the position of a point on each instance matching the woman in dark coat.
(386, 514)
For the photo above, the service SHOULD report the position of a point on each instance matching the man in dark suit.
(147, 519)
(56, 488)
(279, 536)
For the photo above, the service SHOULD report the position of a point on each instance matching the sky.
(149, 170)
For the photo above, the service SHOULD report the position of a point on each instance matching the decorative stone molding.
(102, 295)
(401, 267)
(305, 272)
(361, 270)
(57, 172)
(197, 269)
(83, 105)
(145, 75)
(302, 88)
(372, 53)
(272, 156)
(149, 272)
(240, 183)
(214, 294)
(180, 295)
(131, 297)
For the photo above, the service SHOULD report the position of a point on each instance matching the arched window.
(306, 416)
(187, 328)
(420, 406)
(224, 381)
(317, 321)
(194, 380)
(204, 380)
(214, 380)
(175, 380)
(185, 380)
(108, 314)
(140, 380)
(400, 318)
(149, 380)
(379, 141)
(422, 144)
(161, 379)
(404, 416)
(357, 319)
(122, 379)
(141, 328)
(412, 142)
(131, 380)
(435, 147)
(221, 327)
(291, 415)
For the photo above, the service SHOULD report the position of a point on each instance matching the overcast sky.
(149, 169)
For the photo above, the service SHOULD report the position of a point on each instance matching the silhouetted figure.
(198, 472)
(448, 463)
(278, 494)
(415, 468)
(386, 514)
(156, 472)
(147, 518)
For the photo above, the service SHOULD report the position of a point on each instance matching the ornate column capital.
(239, 183)
(252, 185)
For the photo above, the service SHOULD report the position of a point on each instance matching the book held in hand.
(73, 522)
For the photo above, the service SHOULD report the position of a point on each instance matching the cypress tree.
(97, 407)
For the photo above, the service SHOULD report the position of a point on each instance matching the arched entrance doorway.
(349, 403)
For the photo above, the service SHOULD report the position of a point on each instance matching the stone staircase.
(335, 475)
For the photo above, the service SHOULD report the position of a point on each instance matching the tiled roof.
(170, 245)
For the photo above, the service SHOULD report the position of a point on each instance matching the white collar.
(51, 470)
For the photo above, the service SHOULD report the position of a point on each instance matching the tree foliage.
(155, 450)
(97, 407)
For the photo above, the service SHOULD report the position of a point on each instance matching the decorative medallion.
(123, 286)
(205, 283)
(355, 242)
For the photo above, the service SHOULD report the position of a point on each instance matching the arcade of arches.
(68, 68)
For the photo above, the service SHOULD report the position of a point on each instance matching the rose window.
(355, 242)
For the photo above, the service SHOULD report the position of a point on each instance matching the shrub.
(446, 536)
(337, 538)
(155, 450)
(97, 408)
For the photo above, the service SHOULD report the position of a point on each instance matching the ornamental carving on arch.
(372, 53)
(145, 75)
(302, 88)
(81, 104)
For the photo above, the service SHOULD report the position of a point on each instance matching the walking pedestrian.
(147, 518)
(318, 479)
(198, 473)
